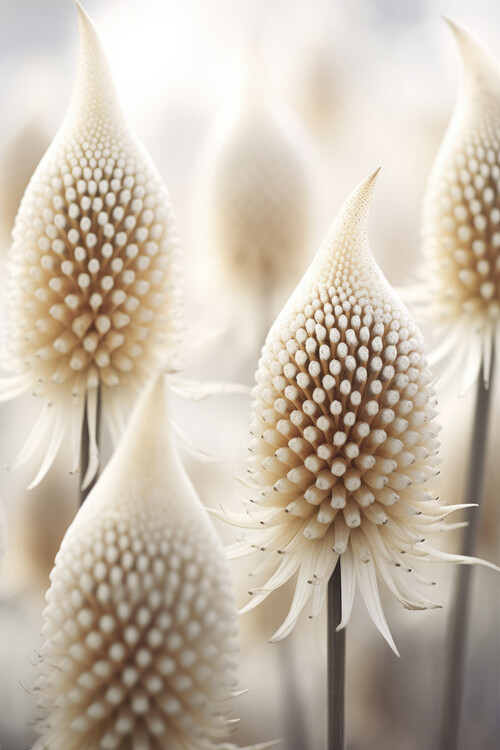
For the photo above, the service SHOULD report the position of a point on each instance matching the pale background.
(371, 82)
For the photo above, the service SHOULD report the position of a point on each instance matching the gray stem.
(459, 617)
(335, 664)
(84, 448)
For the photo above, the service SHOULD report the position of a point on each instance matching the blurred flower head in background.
(461, 221)
(259, 180)
(343, 436)
(91, 303)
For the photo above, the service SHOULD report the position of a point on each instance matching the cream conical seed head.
(344, 438)
(461, 219)
(92, 266)
(139, 631)
(259, 191)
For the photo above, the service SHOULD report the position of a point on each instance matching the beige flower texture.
(258, 174)
(92, 264)
(461, 221)
(140, 626)
(344, 438)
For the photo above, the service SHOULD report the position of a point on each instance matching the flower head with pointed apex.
(343, 436)
(139, 631)
(461, 220)
(259, 186)
(93, 261)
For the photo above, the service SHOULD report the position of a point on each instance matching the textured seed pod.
(91, 269)
(259, 190)
(343, 436)
(139, 631)
(461, 220)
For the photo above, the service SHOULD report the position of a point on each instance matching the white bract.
(461, 221)
(92, 265)
(344, 438)
(139, 631)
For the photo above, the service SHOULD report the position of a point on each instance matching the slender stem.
(459, 620)
(84, 448)
(335, 664)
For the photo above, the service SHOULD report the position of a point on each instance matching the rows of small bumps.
(463, 222)
(138, 638)
(342, 417)
(92, 263)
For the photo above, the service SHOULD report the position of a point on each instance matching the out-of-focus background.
(350, 86)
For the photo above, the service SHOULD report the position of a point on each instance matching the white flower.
(258, 196)
(139, 631)
(91, 270)
(461, 221)
(344, 438)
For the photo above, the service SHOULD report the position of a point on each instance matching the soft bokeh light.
(387, 73)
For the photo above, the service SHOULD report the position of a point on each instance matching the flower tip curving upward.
(139, 631)
(461, 221)
(92, 299)
(344, 438)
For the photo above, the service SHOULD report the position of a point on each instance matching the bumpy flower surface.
(461, 220)
(139, 631)
(91, 269)
(259, 199)
(343, 436)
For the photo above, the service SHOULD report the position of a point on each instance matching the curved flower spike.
(259, 188)
(140, 627)
(343, 436)
(461, 221)
(91, 269)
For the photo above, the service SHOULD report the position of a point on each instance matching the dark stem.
(335, 664)
(459, 616)
(84, 448)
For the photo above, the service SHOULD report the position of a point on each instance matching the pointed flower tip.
(356, 207)
(476, 60)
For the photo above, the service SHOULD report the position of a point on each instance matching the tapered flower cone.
(92, 266)
(139, 631)
(344, 438)
(461, 220)
(259, 186)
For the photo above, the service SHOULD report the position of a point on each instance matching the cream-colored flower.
(258, 188)
(139, 631)
(344, 438)
(461, 220)
(92, 265)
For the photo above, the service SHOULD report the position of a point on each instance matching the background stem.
(84, 448)
(335, 664)
(459, 617)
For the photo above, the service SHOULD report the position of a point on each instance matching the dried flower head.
(343, 436)
(139, 631)
(259, 189)
(90, 297)
(461, 220)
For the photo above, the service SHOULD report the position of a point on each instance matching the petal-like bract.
(343, 435)
(461, 220)
(91, 269)
(139, 631)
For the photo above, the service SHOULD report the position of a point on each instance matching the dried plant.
(461, 221)
(344, 437)
(92, 264)
(258, 188)
(140, 628)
